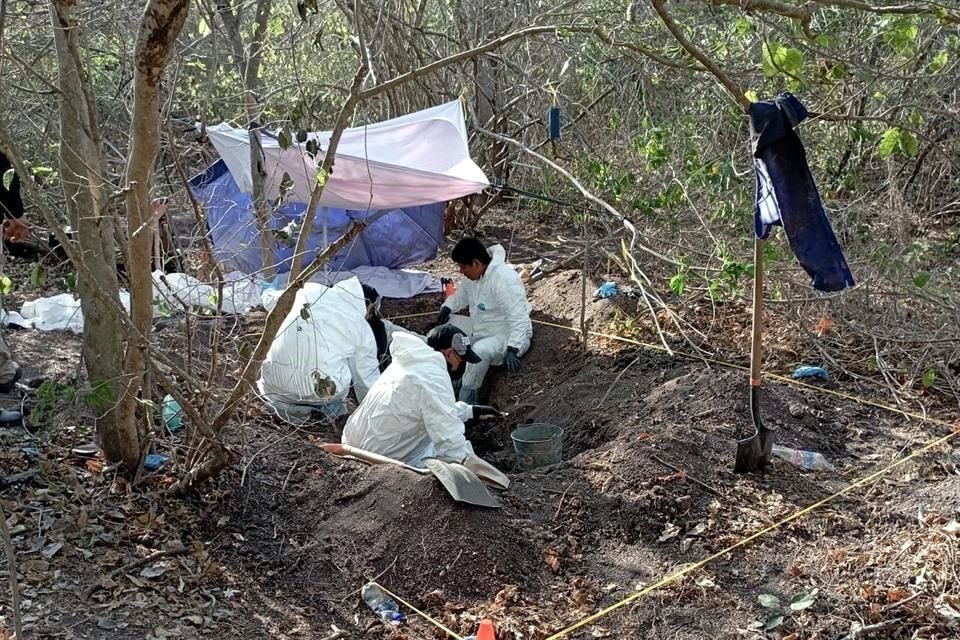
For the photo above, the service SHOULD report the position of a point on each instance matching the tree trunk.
(161, 24)
(248, 66)
(83, 174)
(480, 24)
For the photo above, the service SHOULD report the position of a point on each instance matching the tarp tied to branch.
(417, 159)
(404, 170)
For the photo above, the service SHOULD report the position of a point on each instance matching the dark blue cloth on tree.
(787, 194)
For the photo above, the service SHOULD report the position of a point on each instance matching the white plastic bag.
(55, 313)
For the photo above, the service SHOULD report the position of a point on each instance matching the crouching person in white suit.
(323, 347)
(499, 326)
(410, 413)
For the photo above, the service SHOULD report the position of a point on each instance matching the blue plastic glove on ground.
(810, 372)
(154, 461)
(606, 290)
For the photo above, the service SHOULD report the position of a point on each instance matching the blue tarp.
(400, 238)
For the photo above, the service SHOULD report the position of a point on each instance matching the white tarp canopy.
(417, 159)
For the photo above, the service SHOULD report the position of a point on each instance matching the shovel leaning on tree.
(460, 481)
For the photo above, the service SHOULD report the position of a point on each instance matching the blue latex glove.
(810, 372)
(512, 359)
(606, 290)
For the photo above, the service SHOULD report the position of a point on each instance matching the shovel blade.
(462, 484)
(767, 438)
(749, 455)
(754, 452)
(486, 472)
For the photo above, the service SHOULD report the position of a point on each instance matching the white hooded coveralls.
(499, 315)
(410, 413)
(323, 345)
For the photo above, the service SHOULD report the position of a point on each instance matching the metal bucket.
(537, 445)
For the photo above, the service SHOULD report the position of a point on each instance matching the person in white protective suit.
(410, 413)
(499, 326)
(324, 345)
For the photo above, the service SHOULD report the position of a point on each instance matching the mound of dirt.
(343, 521)
(559, 297)
(646, 484)
(591, 399)
(717, 402)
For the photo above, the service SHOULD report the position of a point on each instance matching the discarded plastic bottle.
(805, 459)
(273, 284)
(171, 413)
(381, 604)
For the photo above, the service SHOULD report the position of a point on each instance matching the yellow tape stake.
(795, 516)
(418, 612)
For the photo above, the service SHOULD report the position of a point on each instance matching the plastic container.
(537, 445)
(273, 284)
(171, 413)
(381, 604)
(809, 460)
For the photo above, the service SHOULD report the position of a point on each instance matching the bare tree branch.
(248, 66)
(929, 8)
(10, 552)
(803, 13)
(161, 23)
(467, 55)
(604, 37)
(735, 92)
(329, 158)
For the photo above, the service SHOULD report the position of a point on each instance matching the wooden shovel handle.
(343, 450)
(756, 350)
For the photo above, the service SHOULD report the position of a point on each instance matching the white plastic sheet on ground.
(14, 319)
(389, 283)
(58, 312)
(176, 290)
(241, 293)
